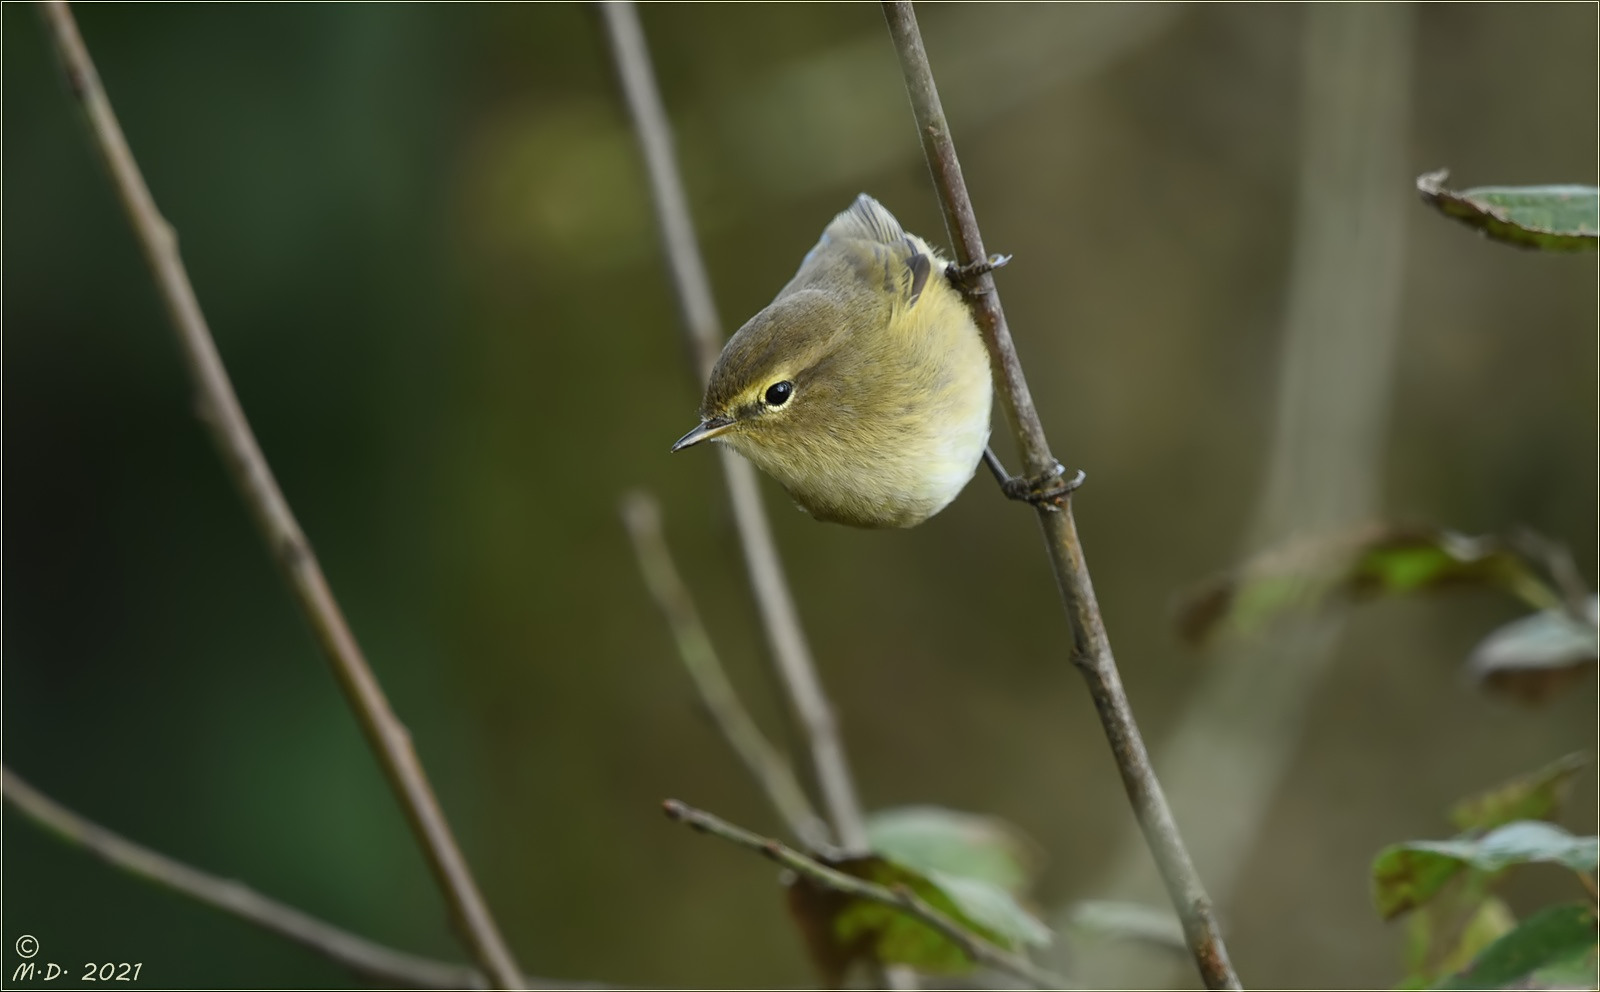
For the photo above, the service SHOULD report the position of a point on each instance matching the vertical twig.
(766, 765)
(1091, 647)
(785, 638)
(230, 431)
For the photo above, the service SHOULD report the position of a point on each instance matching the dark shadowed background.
(424, 243)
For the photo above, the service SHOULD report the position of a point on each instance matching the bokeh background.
(423, 240)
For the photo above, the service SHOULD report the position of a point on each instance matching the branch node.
(293, 551)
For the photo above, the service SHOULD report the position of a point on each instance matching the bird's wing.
(865, 250)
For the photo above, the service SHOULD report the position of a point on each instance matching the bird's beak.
(709, 428)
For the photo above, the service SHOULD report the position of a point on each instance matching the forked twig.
(786, 640)
(766, 765)
(1091, 648)
(230, 431)
(899, 897)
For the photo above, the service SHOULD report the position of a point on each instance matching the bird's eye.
(779, 392)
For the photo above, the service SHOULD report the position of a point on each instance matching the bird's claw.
(1048, 490)
(965, 277)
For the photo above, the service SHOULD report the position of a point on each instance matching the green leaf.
(1551, 944)
(1362, 563)
(1404, 878)
(1489, 923)
(992, 908)
(1572, 971)
(1522, 842)
(895, 936)
(841, 928)
(1535, 796)
(1407, 875)
(1447, 934)
(1532, 657)
(1405, 561)
(1550, 218)
(935, 839)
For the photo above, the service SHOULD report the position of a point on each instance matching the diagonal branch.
(900, 897)
(766, 765)
(361, 956)
(230, 431)
(785, 639)
(1091, 647)
(1324, 472)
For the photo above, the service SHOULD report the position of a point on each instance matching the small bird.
(864, 386)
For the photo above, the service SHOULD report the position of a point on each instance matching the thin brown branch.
(361, 956)
(1323, 474)
(766, 764)
(900, 897)
(1091, 647)
(785, 639)
(230, 431)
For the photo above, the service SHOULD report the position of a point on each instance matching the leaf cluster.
(1530, 658)
(1459, 933)
(974, 869)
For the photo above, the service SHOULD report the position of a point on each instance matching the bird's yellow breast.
(908, 429)
(864, 387)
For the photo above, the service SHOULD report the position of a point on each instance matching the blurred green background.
(423, 240)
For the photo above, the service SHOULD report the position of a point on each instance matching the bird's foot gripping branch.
(1047, 491)
(965, 277)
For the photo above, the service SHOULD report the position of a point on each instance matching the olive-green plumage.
(864, 386)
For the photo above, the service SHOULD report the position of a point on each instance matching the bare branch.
(1324, 469)
(1091, 647)
(230, 431)
(771, 770)
(900, 897)
(785, 639)
(361, 956)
